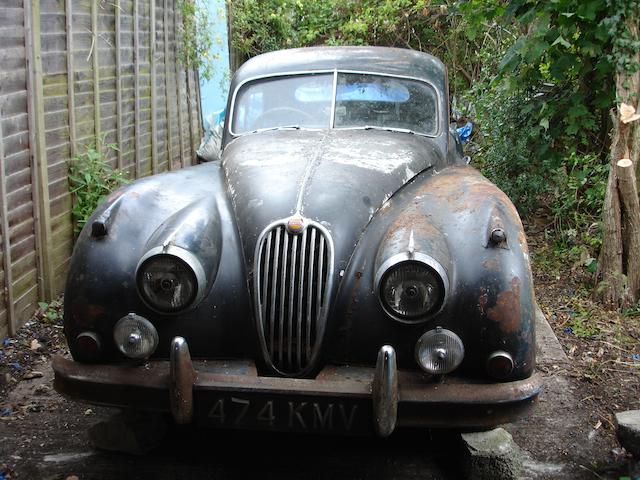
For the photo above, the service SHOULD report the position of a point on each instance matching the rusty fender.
(468, 225)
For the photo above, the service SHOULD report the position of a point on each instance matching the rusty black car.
(340, 268)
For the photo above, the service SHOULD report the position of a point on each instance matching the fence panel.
(72, 70)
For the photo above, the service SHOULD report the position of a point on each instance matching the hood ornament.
(296, 224)
(411, 248)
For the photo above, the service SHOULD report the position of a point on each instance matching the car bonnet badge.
(296, 225)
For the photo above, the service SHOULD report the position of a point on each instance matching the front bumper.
(339, 400)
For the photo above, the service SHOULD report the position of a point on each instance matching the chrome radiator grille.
(292, 279)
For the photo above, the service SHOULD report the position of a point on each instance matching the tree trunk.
(618, 275)
(631, 206)
(610, 289)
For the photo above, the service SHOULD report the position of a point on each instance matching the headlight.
(135, 336)
(411, 289)
(170, 280)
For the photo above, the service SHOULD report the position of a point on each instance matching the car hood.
(339, 178)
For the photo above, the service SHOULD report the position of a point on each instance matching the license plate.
(285, 414)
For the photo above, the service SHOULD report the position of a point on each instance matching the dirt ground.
(593, 372)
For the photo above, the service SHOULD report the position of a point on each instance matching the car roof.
(390, 61)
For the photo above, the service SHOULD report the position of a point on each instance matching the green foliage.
(582, 327)
(580, 187)
(91, 179)
(264, 25)
(549, 99)
(505, 128)
(632, 311)
(49, 312)
(197, 40)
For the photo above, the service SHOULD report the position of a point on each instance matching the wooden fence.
(71, 71)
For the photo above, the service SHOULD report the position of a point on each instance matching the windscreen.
(365, 100)
(302, 101)
(361, 101)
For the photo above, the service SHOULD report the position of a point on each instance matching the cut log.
(628, 191)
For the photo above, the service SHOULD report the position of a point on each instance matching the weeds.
(91, 179)
(49, 312)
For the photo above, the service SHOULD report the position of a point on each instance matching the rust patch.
(464, 189)
(491, 264)
(411, 219)
(482, 302)
(507, 311)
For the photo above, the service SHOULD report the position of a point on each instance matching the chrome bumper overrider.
(387, 397)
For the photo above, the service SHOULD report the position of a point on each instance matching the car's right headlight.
(170, 280)
(411, 288)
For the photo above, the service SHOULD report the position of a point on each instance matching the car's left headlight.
(170, 280)
(411, 287)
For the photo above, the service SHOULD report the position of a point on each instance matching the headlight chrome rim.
(417, 257)
(188, 259)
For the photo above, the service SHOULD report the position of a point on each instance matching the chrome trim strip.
(265, 276)
(334, 95)
(303, 252)
(335, 72)
(320, 284)
(307, 323)
(292, 282)
(283, 294)
(274, 279)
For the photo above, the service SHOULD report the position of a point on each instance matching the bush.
(91, 179)
(504, 130)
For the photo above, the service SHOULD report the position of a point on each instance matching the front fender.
(490, 304)
(188, 208)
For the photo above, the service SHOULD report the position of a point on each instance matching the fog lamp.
(135, 336)
(439, 351)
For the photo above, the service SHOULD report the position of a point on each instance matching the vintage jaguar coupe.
(339, 269)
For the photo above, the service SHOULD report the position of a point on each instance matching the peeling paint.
(255, 203)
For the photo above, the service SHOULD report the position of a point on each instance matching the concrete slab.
(548, 348)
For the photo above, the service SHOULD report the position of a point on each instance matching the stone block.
(628, 431)
(135, 433)
(491, 455)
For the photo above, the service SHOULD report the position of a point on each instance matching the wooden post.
(190, 110)
(154, 93)
(179, 94)
(166, 85)
(118, 10)
(96, 68)
(38, 152)
(71, 101)
(199, 105)
(136, 55)
(6, 244)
